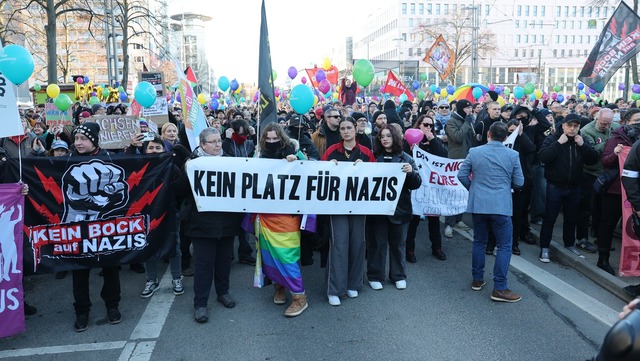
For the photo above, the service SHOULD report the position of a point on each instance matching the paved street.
(563, 316)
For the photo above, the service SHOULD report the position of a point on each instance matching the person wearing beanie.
(489, 96)
(461, 137)
(389, 110)
(443, 115)
(379, 119)
(98, 109)
(362, 130)
(372, 108)
(86, 139)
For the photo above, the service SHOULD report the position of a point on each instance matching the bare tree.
(135, 19)
(456, 30)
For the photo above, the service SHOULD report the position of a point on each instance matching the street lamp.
(475, 26)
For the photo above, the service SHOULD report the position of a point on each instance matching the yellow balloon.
(335, 95)
(238, 90)
(338, 88)
(538, 93)
(326, 64)
(53, 90)
(583, 96)
(202, 98)
(315, 100)
(501, 101)
(443, 92)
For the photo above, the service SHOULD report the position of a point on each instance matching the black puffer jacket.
(563, 163)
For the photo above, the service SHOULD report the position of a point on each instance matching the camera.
(147, 136)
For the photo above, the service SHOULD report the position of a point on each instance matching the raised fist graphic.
(93, 189)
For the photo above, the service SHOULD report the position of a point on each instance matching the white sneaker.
(462, 226)
(375, 285)
(448, 231)
(575, 251)
(334, 300)
(401, 285)
(352, 293)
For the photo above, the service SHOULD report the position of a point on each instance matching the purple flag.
(11, 293)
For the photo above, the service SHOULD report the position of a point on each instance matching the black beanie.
(493, 95)
(377, 114)
(90, 130)
(460, 105)
(357, 115)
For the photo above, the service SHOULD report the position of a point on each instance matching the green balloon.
(37, 87)
(507, 92)
(120, 89)
(423, 76)
(94, 101)
(274, 75)
(557, 88)
(635, 96)
(363, 72)
(529, 88)
(421, 94)
(62, 102)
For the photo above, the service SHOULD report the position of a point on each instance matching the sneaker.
(114, 316)
(201, 314)
(488, 251)
(448, 231)
(279, 297)
(352, 293)
(477, 285)
(575, 251)
(149, 288)
(461, 225)
(298, 305)
(177, 286)
(544, 255)
(515, 250)
(586, 246)
(505, 296)
(334, 300)
(82, 322)
(401, 285)
(375, 285)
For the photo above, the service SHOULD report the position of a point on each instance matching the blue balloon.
(438, 90)
(403, 98)
(560, 98)
(16, 63)
(213, 104)
(415, 84)
(301, 98)
(234, 85)
(580, 86)
(518, 92)
(123, 96)
(451, 89)
(117, 84)
(145, 94)
(86, 79)
(433, 88)
(223, 83)
(532, 97)
(477, 93)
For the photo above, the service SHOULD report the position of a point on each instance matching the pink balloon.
(324, 86)
(554, 95)
(80, 80)
(413, 136)
(276, 92)
(492, 87)
(304, 80)
(545, 96)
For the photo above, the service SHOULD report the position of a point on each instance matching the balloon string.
(20, 159)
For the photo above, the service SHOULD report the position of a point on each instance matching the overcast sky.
(301, 32)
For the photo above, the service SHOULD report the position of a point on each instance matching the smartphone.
(147, 136)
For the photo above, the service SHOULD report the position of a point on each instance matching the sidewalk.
(587, 266)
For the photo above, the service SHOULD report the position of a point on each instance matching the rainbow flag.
(278, 251)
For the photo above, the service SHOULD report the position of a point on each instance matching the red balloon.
(413, 136)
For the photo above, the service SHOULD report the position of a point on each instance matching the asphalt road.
(563, 316)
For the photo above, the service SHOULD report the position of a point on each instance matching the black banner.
(618, 42)
(95, 211)
(265, 80)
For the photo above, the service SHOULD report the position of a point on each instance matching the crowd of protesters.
(561, 149)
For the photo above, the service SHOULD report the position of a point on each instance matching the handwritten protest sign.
(116, 131)
(441, 194)
(56, 116)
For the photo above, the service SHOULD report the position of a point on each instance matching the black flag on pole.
(265, 81)
(618, 42)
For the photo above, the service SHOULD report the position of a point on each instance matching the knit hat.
(85, 114)
(357, 115)
(377, 114)
(96, 107)
(443, 103)
(319, 113)
(493, 95)
(407, 104)
(59, 144)
(90, 130)
(460, 105)
(506, 108)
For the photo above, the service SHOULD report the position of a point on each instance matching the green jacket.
(598, 140)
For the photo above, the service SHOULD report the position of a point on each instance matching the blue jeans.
(502, 228)
(567, 198)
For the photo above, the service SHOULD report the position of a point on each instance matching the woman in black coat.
(391, 231)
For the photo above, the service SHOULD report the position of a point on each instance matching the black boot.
(603, 263)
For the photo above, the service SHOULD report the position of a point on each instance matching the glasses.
(443, 107)
(427, 125)
(213, 141)
(333, 116)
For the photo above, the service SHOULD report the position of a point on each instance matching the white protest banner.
(441, 194)
(116, 131)
(257, 185)
(55, 116)
(10, 123)
(511, 139)
(158, 112)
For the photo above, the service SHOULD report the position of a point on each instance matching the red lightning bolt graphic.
(135, 177)
(145, 200)
(156, 222)
(45, 212)
(50, 185)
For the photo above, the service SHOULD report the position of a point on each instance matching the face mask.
(238, 139)
(616, 118)
(273, 146)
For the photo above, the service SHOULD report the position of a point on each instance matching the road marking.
(149, 327)
(63, 349)
(595, 308)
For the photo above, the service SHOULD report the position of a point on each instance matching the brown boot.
(279, 298)
(298, 306)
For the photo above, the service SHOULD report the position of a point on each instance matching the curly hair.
(396, 136)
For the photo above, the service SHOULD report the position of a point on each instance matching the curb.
(589, 270)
